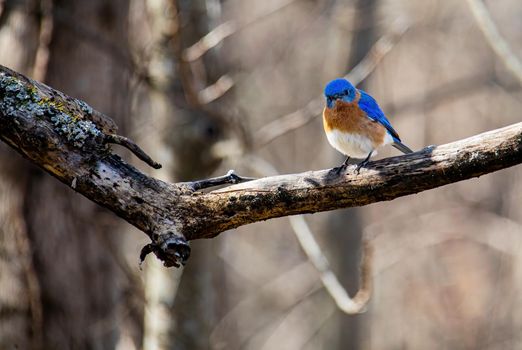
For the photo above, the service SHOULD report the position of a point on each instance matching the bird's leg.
(364, 162)
(342, 167)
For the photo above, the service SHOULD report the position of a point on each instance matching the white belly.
(352, 145)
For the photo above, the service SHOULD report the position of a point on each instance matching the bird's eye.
(345, 92)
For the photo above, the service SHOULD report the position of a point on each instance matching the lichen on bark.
(18, 97)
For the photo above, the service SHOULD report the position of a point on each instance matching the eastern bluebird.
(354, 123)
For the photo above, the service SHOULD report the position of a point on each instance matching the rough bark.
(48, 128)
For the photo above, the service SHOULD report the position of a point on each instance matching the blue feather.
(337, 86)
(374, 112)
(339, 89)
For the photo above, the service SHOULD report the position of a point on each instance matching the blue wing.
(374, 112)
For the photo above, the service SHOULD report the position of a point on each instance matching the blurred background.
(210, 85)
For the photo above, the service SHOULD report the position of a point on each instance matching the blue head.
(339, 89)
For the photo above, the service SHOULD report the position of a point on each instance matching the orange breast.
(349, 118)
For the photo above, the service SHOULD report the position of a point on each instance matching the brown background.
(447, 267)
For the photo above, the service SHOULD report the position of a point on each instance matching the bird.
(355, 125)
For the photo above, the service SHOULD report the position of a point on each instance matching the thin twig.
(216, 90)
(339, 294)
(133, 147)
(303, 116)
(229, 178)
(224, 30)
(494, 39)
(210, 40)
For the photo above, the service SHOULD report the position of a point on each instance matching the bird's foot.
(363, 163)
(338, 170)
(341, 168)
(360, 165)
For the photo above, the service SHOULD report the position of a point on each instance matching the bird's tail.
(401, 147)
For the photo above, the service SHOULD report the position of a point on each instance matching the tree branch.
(68, 139)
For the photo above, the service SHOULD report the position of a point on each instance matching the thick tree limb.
(68, 139)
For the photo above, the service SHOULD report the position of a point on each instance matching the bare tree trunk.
(20, 309)
(201, 299)
(20, 316)
(79, 286)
